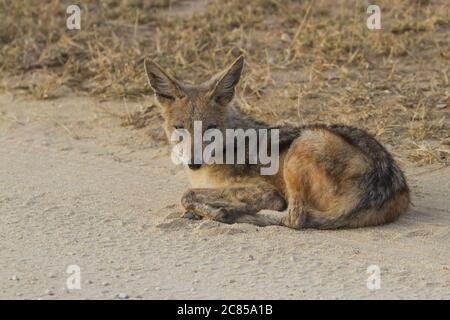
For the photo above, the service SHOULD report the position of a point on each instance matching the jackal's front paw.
(191, 216)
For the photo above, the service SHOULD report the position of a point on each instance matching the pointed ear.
(223, 92)
(166, 88)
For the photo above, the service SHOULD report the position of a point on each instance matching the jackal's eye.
(211, 126)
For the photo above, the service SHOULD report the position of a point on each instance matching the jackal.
(329, 177)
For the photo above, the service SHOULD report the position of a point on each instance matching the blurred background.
(306, 61)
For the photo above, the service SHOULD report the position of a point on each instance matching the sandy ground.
(79, 189)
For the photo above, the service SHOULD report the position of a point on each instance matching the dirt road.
(79, 189)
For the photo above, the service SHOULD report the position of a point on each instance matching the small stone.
(122, 296)
(285, 37)
(158, 288)
(389, 147)
(88, 282)
(105, 284)
(250, 257)
(51, 275)
(14, 278)
(441, 106)
(49, 292)
(292, 258)
(236, 51)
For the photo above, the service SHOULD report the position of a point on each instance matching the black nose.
(194, 166)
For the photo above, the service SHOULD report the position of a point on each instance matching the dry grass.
(307, 61)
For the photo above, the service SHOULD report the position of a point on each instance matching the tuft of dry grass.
(306, 61)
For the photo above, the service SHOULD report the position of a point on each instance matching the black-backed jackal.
(329, 176)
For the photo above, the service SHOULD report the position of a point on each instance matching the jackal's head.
(183, 104)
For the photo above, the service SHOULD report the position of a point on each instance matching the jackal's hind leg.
(296, 216)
